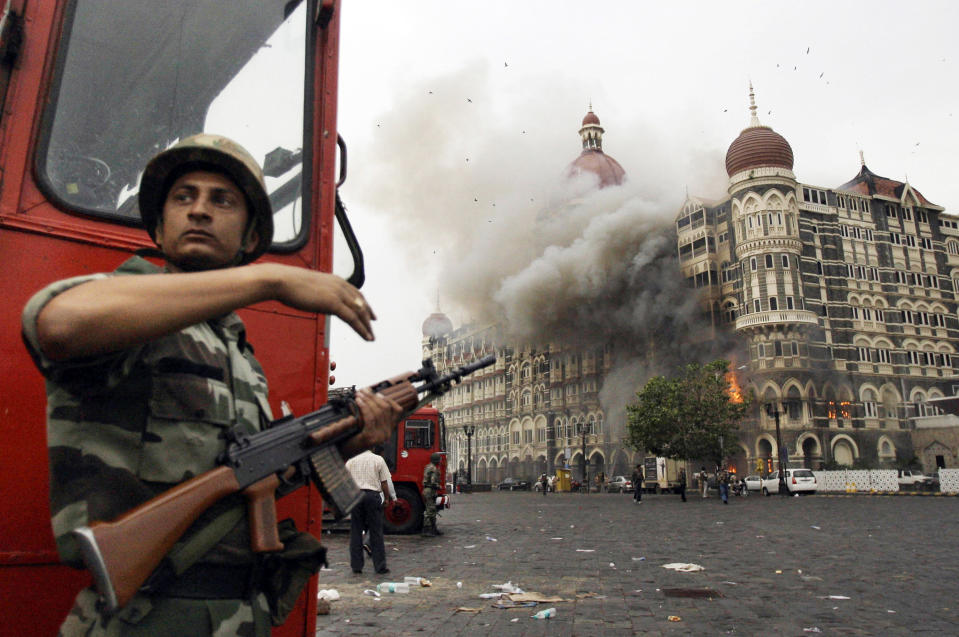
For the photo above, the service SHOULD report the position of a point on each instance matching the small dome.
(437, 324)
(608, 170)
(590, 119)
(758, 146)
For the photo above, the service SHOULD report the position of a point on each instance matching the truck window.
(419, 434)
(133, 78)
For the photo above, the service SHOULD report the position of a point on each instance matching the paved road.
(834, 565)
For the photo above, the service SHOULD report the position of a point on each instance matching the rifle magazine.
(334, 481)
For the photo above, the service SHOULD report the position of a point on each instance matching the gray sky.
(461, 117)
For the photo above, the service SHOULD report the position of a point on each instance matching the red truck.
(88, 92)
(407, 453)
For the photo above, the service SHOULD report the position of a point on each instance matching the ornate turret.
(593, 159)
(758, 146)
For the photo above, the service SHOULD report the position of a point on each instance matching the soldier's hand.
(312, 291)
(380, 416)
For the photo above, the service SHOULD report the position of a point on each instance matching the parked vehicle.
(753, 483)
(797, 481)
(620, 484)
(513, 484)
(915, 479)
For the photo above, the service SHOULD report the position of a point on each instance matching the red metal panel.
(39, 244)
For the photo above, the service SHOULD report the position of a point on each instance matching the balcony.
(774, 317)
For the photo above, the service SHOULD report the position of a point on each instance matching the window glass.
(133, 79)
(419, 434)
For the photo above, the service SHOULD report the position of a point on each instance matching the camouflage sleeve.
(76, 372)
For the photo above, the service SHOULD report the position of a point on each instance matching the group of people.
(148, 373)
(726, 482)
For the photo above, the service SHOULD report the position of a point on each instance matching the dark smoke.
(474, 178)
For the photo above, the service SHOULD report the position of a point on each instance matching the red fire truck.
(407, 453)
(91, 90)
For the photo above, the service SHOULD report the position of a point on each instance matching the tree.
(694, 415)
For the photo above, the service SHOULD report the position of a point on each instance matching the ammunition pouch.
(284, 574)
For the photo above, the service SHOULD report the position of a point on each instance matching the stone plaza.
(827, 564)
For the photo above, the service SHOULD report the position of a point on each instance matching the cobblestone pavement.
(840, 565)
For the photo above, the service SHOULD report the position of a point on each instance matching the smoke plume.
(476, 173)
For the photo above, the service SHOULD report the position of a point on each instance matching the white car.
(797, 481)
(753, 483)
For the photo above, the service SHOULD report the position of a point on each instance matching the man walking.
(371, 474)
(722, 479)
(682, 483)
(704, 482)
(638, 484)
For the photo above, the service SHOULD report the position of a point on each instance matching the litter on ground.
(683, 567)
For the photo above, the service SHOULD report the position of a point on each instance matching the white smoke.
(474, 179)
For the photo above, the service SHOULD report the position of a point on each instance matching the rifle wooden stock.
(121, 554)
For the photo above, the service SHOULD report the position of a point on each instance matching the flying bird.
(821, 74)
(505, 64)
(469, 100)
(807, 50)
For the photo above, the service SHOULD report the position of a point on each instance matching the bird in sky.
(469, 100)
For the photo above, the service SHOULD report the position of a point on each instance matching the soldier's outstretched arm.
(116, 312)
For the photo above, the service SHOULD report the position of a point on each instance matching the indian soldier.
(431, 485)
(149, 372)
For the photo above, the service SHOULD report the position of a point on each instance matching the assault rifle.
(293, 451)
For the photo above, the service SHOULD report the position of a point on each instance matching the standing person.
(722, 479)
(544, 483)
(682, 483)
(638, 484)
(148, 371)
(704, 482)
(431, 484)
(386, 500)
(371, 474)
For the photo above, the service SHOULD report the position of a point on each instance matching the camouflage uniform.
(125, 426)
(431, 484)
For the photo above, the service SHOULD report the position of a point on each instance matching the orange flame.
(734, 391)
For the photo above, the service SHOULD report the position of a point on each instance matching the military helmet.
(217, 152)
(435, 457)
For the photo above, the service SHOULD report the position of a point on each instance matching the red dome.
(590, 119)
(608, 170)
(437, 324)
(758, 146)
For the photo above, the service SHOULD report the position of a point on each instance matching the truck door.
(95, 90)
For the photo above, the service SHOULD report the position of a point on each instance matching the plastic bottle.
(545, 614)
(393, 587)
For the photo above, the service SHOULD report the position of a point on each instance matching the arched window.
(793, 404)
(869, 404)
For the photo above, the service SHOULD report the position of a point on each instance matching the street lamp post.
(773, 410)
(585, 474)
(470, 430)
